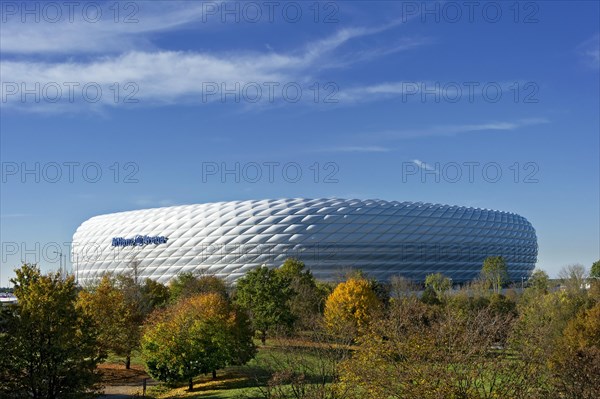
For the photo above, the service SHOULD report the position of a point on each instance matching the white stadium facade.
(381, 238)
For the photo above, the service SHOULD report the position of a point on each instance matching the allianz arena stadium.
(381, 238)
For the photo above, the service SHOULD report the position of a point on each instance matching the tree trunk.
(128, 362)
(191, 385)
(214, 374)
(263, 337)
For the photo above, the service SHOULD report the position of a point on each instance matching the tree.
(430, 297)
(117, 308)
(265, 294)
(573, 278)
(576, 359)
(190, 284)
(494, 272)
(307, 300)
(199, 334)
(539, 281)
(309, 372)
(595, 270)
(402, 287)
(430, 352)
(155, 294)
(439, 283)
(49, 346)
(381, 290)
(538, 332)
(351, 307)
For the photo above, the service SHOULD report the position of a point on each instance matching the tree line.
(368, 339)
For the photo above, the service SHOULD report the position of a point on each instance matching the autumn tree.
(115, 305)
(494, 272)
(199, 334)
(429, 352)
(576, 357)
(189, 284)
(49, 346)
(351, 306)
(538, 332)
(265, 294)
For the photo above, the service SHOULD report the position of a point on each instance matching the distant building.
(382, 238)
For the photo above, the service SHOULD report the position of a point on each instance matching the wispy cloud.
(589, 50)
(427, 91)
(454, 130)
(114, 29)
(423, 165)
(13, 215)
(357, 149)
(165, 77)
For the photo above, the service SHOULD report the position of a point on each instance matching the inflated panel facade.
(227, 239)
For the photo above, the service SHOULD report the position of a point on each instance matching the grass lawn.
(232, 382)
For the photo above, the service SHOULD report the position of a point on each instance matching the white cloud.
(589, 50)
(69, 62)
(165, 77)
(367, 148)
(79, 31)
(423, 165)
(432, 91)
(453, 130)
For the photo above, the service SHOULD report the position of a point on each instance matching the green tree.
(539, 281)
(494, 272)
(439, 283)
(595, 270)
(199, 334)
(49, 346)
(155, 294)
(265, 294)
(307, 300)
(430, 297)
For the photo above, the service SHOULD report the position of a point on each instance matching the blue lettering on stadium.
(138, 241)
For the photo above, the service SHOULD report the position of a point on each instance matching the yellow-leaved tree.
(351, 307)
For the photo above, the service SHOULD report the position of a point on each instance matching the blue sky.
(118, 106)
